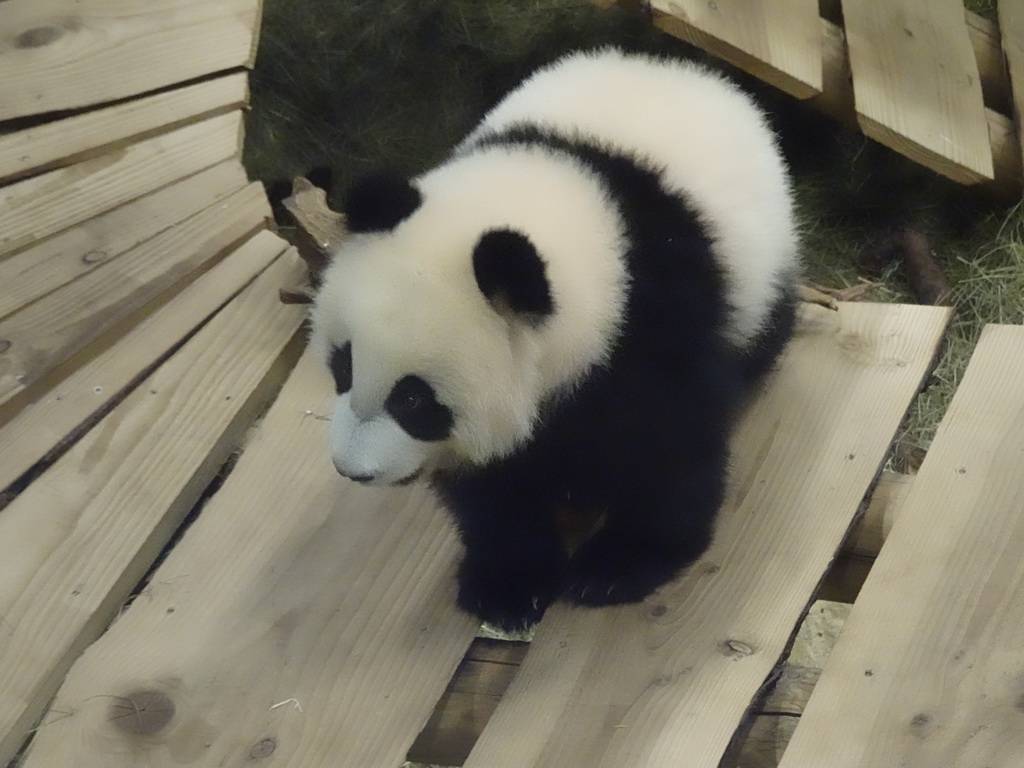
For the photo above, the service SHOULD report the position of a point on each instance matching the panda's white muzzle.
(374, 450)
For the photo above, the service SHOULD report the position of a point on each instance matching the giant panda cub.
(568, 310)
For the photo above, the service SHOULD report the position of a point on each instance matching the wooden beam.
(57, 417)
(41, 206)
(75, 544)
(56, 261)
(1011, 19)
(60, 56)
(73, 139)
(47, 332)
(777, 40)
(928, 670)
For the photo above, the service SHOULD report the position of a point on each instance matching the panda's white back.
(707, 136)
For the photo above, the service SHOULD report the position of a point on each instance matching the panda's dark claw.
(508, 601)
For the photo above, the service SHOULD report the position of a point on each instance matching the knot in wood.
(737, 648)
(142, 712)
(37, 37)
(5, 344)
(263, 748)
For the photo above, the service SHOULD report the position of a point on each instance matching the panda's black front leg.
(515, 559)
(654, 529)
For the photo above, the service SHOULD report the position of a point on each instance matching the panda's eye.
(341, 368)
(413, 404)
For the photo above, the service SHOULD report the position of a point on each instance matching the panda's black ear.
(512, 276)
(379, 201)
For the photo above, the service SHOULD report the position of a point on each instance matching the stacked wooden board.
(184, 580)
(140, 331)
(920, 76)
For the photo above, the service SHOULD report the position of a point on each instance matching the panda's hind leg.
(648, 538)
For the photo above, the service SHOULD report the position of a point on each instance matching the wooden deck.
(185, 580)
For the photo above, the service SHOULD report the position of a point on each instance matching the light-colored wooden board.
(1011, 22)
(927, 672)
(75, 543)
(43, 205)
(58, 55)
(74, 138)
(916, 83)
(53, 418)
(880, 513)
(48, 332)
(301, 616)
(666, 682)
(777, 40)
(33, 273)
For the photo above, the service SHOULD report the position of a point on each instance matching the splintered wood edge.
(320, 230)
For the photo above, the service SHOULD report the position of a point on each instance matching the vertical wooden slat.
(928, 670)
(1011, 23)
(666, 682)
(916, 83)
(777, 40)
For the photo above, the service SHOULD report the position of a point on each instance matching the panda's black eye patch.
(341, 368)
(413, 404)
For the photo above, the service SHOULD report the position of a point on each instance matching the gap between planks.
(77, 541)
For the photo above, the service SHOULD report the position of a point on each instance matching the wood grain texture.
(37, 271)
(74, 138)
(916, 83)
(41, 206)
(1011, 23)
(48, 332)
(59, 55)
(53, 418)
(301, 616)
(76, 542)
(777, 40)
(665, 682)
(927, 672)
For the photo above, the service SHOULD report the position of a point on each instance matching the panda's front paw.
(608, 570)
(511, 601)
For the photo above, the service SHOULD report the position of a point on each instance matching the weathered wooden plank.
(71, 139)
(927, 670)
(1011, 23)
(916, 83)
(666, 682)
(31, 274)
(48, 332)
(301, 615)
(38, 207)
(777, 40)
(77, 541)
(54, 417)
(56, 55)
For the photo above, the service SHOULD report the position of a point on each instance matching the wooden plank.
(48, 332)
(55, 418)
(301, 615)
(776, 40)
(916, 83)
(72, 139)
(38, 207)
(1011, 22)
(669, 680)
(60, 56)
(74, 544)
(927, 671)
(33, 273)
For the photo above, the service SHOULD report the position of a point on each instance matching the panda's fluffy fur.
(568, 310)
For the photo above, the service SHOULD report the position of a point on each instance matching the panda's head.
(441, 322)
